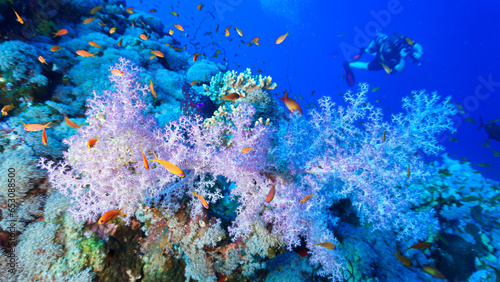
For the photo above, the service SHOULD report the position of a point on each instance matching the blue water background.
(460, 40)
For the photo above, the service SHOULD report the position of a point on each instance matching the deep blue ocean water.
(459, 39)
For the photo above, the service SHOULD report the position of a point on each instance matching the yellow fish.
(92, 43)
(145, 160)
(239, 31)
(71, 123)
(35, 127)
(306, 198)
(386, 68)
(92, 142)
(152, 88)
(327, 245)
(203, 202)
(44, 137)
(199, 7)
(171, 167)
(88, 20)
(281, 38)
(42, 60)
(116, 72)
(112, 214)
(95, 10)
(84, 53)
(7, 108)
(246, 150)
(61, 32)
(18, 18)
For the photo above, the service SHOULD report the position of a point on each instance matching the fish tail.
(120, 211)
(48, 124)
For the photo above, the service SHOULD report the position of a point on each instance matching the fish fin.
(48, 124)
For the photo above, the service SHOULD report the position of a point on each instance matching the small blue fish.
(199, 105)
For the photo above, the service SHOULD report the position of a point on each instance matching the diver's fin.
(349, 75)
(361, 52)
(482, 124)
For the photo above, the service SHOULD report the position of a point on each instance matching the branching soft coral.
(334, 157)
(111, 174)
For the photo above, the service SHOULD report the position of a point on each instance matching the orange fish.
(200, 7)
(18, 18)
(174, 13)
(88, 20)
(176, 49)
(239, 31)
(7, 108)
(146, 164)
(42, 60)
(112, 30)
(171, 167)
(246, 150)
(281, 38)
(102, 24)
(290, 103)
(327, 245)
(84, 53)
(157, 53)
(406, 261)
(44, 137)
(61, 32)
(195, 57)
(216, 28)
(179, 27)
(383, 138)
(144, 37)
(408, 170)
(271, 193)
(35, 127)
(129, 10)
(112, 214)
(152, 11)
(194, 82)
(231, 96)
(55, 48)
(120, 42)
(255, 40)
(432, 271)
(170, 32)
(202, 200)
(92, 43)
(227, 30)
(420, 246)
(152, 88)
(71, 124)
(116, 72)
(92, 142)
(95, 10)
(306, 198)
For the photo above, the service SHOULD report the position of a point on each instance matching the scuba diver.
(390, 53)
